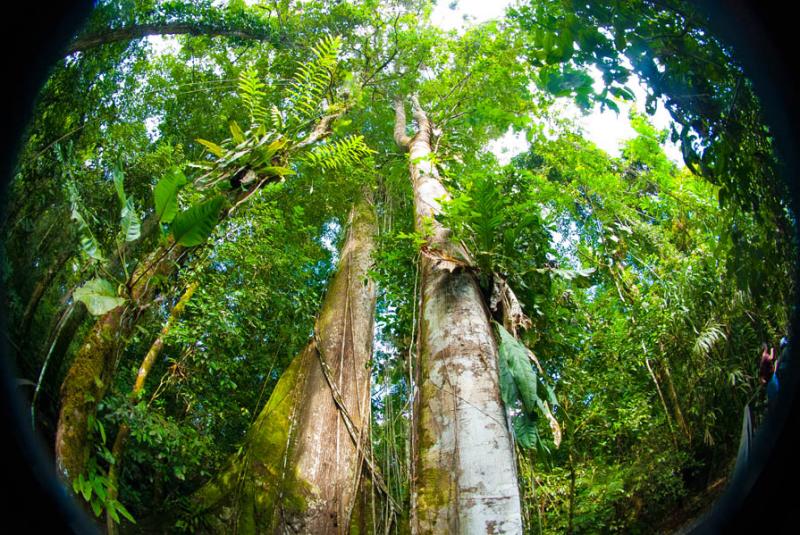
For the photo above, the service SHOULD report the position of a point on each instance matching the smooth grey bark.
(464, 471)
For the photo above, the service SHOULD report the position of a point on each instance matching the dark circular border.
(765, 38)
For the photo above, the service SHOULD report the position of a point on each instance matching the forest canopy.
(325, 267)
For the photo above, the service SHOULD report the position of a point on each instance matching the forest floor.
(685, 517)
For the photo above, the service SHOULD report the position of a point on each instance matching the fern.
(708, 338)
(339, 154)
(251, 91)
(312, 79)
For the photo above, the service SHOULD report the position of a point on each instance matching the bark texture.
(91, 371)
(301, 467)
(464, 478)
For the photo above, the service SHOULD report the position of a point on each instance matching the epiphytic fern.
(251, 91)
(312, 79)
(338, 154)
(263, 150)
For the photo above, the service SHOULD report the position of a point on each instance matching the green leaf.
(212, 147)
(236, 132)
(193, 226)
(77, 484)
(130, 222)
(88, 243)
(525, 431)
(102, 430)
(516, 360)
(97, 508)
(112, 511)
(508, 389)
(86, 489)
(277, 171)
(165, 194)
(99, 296)
(99, 488)
(119, 177)
(124, 512)
(551, 393)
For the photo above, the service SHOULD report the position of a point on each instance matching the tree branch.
(400, 137)
(94, 40)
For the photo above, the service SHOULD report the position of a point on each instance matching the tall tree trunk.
(73, 313)
(303, 459)
(673, 396)
(91, 372)
(464, 478)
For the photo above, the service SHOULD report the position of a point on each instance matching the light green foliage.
(129, 221)
(339, 154)
(99, 296)
(251, 90)
(88, 242)
(94, 486)
(312, 79)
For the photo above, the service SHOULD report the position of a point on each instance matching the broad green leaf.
(124, 512)
(129, 221)
(88, 243)
(112, 511)
(86, 490)
(99, 488)
(525, 431)
(165, 194)
(96, 507)
(193, 226)
(99, 296)
(212, 147)
(516, 357)
(508, 389)
(119, 178)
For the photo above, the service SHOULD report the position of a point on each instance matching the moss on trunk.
(300, 469)
(91, 371)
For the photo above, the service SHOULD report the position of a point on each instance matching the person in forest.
(782, 366)
(766, 366)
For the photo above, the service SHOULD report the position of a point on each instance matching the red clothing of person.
(767, 365)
